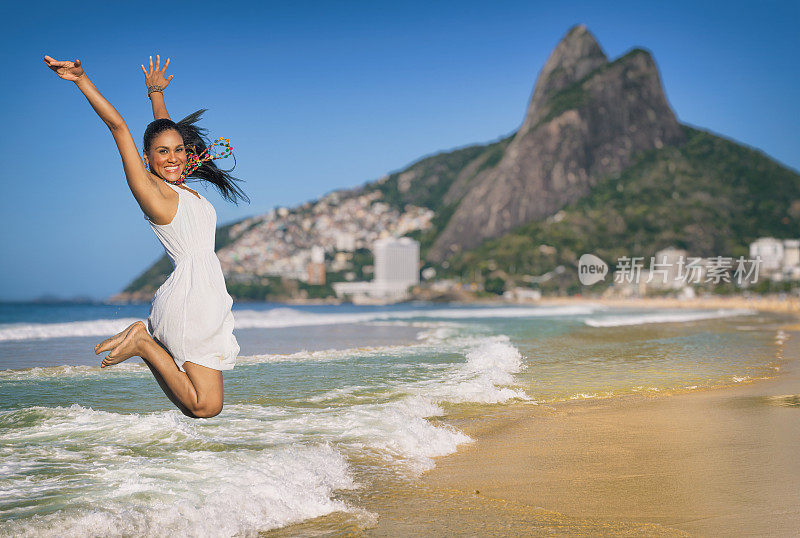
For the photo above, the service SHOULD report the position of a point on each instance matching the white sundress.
(191, 311)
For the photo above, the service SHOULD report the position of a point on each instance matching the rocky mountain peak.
(589, 118)
(575, 56)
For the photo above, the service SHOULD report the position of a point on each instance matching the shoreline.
(788, 305)
(716, 460)
(764, 303)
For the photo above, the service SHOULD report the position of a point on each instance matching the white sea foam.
(326, 355)
(487, 376)
(277, 318)
(288, 317)
(282, 317)
(430, 340)
(513, 312)
(664, 317)
(396, 432)
(38, 331)
(156, 474)
(40, 372)
(256, 469)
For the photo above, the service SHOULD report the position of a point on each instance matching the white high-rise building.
(396, 261)
(396, 270)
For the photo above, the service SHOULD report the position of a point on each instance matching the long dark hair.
(194, 139)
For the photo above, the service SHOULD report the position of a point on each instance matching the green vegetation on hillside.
(710, 196)
(573, 96)
(430, 179)
(275, 288)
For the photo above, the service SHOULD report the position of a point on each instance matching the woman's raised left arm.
(157, 82)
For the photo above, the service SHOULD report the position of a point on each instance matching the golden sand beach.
(787, 304)
(716, 462)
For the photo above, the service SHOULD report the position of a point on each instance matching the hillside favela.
(599, 166)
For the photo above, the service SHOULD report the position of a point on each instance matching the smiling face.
(166, 157)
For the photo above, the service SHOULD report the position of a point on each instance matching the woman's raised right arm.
(143, 185)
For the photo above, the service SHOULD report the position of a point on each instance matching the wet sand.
(765, 303)
(719, 462)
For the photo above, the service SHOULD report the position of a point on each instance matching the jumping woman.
(188, 339)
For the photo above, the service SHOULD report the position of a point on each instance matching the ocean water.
(326, 405)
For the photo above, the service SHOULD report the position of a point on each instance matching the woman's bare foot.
(129, 346)
(111, 343)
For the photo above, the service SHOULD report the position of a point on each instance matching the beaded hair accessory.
(194, 161)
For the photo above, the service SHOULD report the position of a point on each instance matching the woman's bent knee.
(207, 410)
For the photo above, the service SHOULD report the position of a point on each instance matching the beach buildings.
(674, 270)
(316, 267)
(280, 243)
(780, 258)
(396, 270)
(522, 295)
(770, 250)
(396, 260)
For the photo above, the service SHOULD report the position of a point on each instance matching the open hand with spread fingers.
(156, 76)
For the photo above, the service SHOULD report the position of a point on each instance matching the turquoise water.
(325, 401)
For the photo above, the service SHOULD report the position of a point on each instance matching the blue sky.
(317, 96)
